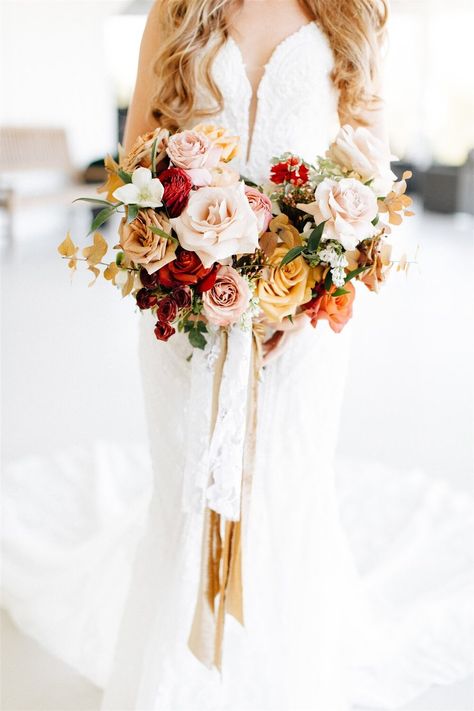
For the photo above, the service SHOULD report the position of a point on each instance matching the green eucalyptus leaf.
(355, 272)
(196, 339)
(328, 281)
(291, 254)
(315, 237)
(132, 212)
(375, 220)
(126, 177)
(102, 217)
(340, 292)
(95, 201)
(162, 233)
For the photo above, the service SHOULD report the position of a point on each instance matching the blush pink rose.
(348, 208)
(228, 299)
(361, 151)
(261, 206)
(194, 152)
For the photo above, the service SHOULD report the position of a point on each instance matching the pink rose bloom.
(228, 299)
(359, 150)
(261, 206)
(217, 223)
(193, 152)
(348, 208)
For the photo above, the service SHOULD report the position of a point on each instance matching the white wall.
(54, 70)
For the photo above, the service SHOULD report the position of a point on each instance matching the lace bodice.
(296, 100)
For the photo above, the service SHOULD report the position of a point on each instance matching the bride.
(283, 75)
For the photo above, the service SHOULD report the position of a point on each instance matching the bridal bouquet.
(200, 247)
(212, 255)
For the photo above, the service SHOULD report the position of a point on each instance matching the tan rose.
(140, 153)
(376, 256)
(282, 289)
(220, 137)
(143, 246)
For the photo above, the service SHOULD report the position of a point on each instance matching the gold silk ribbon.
(220, 589)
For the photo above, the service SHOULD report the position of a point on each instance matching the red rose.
(177, 184)
(208, 282)
(145, 299)
(150, 281)
(290, 171)
(183, 297)
(167, 309)
(164, 331)
(187, 268)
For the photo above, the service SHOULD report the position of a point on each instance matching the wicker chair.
(25, 149)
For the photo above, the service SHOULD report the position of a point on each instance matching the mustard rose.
(282, 289)
(143, 246)
(140, 153)
(220, 137)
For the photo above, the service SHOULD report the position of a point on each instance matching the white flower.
(330, 255)
(338, 276)
(144, 190)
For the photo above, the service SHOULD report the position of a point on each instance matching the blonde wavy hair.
(192, 32)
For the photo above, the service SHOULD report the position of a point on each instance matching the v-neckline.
(256, 95)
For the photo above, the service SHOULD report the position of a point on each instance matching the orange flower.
(113, 179)
(337, 310)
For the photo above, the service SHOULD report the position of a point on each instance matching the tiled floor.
(70, 375)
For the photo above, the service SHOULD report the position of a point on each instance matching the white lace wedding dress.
(299, 580)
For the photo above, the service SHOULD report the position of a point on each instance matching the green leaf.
(201, 326)
(315, 237)
(291, 254)
(328, 281)
(119, 258)
(162, 233)
(132, 212)
(102, 217)
(95, 201)
(340, 292)
(126, 177)
(290, 318)
(375, 220)
(196, 338)
(355, 272)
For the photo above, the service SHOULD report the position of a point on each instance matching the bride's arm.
(139, 118)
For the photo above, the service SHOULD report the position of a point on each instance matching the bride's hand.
(274, 346)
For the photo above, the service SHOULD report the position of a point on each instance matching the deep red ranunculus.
(163, 330)
(167, 309)
(183, 297)
(149, 281)
(186, 268)
(145, 299)
(290, 171)
(177, 184)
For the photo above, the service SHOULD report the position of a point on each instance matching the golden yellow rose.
(143, 246)
(220, 137)
(282, 289)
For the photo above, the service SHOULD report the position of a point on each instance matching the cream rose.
(217, 223)
(262, 207)
(282, 289)
(194, 152)
(228, 299)
(348, 208)
(359, 150)
(142, 246)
